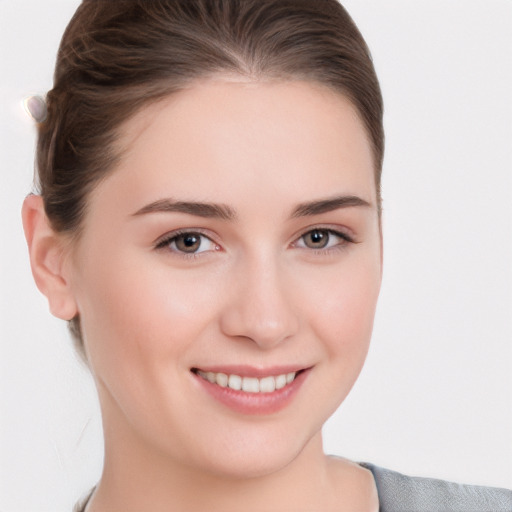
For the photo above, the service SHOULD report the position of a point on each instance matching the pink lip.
(253, 403)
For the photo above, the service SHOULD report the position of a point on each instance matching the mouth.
(267, 384)
(251, 392)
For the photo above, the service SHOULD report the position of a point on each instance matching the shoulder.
(401, 493)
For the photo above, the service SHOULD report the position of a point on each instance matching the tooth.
(267, 385)
(235, 382)
(221, 379)
(280, 381)
(250, 385)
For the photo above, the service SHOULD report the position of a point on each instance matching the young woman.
(208, 221)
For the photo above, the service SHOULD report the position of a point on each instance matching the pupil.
(317, 237)
(190, 240)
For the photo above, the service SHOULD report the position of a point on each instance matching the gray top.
(400, 493)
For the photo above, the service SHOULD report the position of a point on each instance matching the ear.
(47, 259)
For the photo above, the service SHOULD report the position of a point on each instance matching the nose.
(260, 306)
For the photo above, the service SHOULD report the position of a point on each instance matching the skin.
(254, 294)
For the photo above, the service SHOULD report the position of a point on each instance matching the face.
(237, 244)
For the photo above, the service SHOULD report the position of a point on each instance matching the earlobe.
(47, 259)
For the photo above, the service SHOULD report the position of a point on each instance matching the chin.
(249, 458)
(246, 466)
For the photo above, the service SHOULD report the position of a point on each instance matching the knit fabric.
(401, 493)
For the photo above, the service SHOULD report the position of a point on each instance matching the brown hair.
(117, 56)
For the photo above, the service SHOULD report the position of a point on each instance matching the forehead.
(218, 138)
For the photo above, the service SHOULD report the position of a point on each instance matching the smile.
(249, 391)
(248, 384)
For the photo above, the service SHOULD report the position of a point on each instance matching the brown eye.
(316, 239)
(188, 242)
(323, 239)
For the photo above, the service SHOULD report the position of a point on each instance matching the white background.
(435, 397)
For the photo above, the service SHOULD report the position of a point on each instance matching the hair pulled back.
(117, 56)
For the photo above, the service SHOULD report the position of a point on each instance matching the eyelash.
(171, 238)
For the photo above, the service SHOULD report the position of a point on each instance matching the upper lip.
(251, 371)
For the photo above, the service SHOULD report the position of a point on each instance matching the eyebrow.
(199, 209)
(328, 205)
(224, 212)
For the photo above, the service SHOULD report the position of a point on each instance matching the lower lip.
(254, 403)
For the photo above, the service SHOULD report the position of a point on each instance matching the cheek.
(342, 314)
(340, 309)
(141, 324)
(137, 315)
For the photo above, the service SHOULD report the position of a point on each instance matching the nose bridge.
(260, 307)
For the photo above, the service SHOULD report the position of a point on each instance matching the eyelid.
(343, 232)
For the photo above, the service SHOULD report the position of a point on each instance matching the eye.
(189, 242)
(322, 239)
